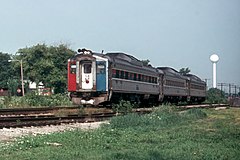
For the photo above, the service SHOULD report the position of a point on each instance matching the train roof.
(194, 77)
(124, 57)
(171, 71)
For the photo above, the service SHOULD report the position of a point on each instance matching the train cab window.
(87, 68)
(101, 68)
(73, 69)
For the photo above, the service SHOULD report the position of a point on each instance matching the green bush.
(123, 106)
(215, 95)
(195, 113)
(165, 116)
(33, 100)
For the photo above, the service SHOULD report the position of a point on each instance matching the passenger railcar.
(175, 85)
(197, 89)
(133, 81)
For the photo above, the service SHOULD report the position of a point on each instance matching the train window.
(73, 69)
(175, 83)
(101, 69)
(117, 73)
(149, 79)
(193, 86)
(146, 78)
(113, 73)
(135, 77)
(131, 76)
(122, 74)
(87, 68)
(139, 77)
(152, 80)
(126, 75)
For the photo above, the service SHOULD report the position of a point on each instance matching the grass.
(33, 100)
(164, 134)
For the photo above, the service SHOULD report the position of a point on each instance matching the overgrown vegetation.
(215, 95)
(165, 134)
(33, 100)
(123, 106)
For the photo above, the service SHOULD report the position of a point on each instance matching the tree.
(145, 62)
(46, 64)
(215, 95)
(6, 70)
(184, 71)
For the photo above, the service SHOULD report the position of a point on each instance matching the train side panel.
(131, 80)
(175, 87)
(197, 89)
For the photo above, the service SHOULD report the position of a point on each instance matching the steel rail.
(7, 122)
(25, 111)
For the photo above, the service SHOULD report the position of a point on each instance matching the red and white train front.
(88, 78)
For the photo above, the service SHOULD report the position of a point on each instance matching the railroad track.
(202, 106)
(27, 111)
(22, 121)
(32, 117)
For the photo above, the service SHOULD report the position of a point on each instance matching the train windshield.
(87, 68)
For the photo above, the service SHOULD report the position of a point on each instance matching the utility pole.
(23, 93)
(21, 72)
(221, 87)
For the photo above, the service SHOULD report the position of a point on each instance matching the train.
(103, 78)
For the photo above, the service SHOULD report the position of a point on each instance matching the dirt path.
(9, 134)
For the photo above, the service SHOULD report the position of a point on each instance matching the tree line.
(41, 63)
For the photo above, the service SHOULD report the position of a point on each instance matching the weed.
(34, 100)
(123, 106)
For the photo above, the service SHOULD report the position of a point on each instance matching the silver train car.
(96, 78)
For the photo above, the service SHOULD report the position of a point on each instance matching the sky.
(174, 33)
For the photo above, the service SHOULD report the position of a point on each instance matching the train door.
(101, 75)
(87, 75)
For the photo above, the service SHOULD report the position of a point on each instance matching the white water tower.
(214, 59)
